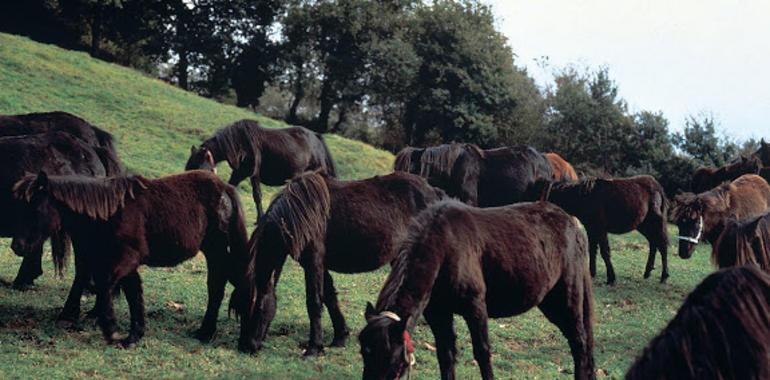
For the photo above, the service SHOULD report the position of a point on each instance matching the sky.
(681, 57)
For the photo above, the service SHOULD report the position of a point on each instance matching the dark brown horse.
(703, 216)
(618, 206)
(326, 224)
(264, 155)
(120, 223)
(707, 178)
(32, 123)
(743, 243)
(562, 170)
(55, 152)
(722, 331)
(484, 178)
(481, 263)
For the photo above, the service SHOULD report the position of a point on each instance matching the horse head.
(385, 345)
(201, 159)
(39, 217)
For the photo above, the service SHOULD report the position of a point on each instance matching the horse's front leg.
(256, 193)
(341, 331)
(217, 279)
(31, 268)
(592, 247)
(70, 315)
(442, 325)
(604, 246)
(312, 262)
(132, 287)
(104, 283)
(476, 319)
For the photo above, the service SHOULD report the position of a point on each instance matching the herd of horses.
(481, 233)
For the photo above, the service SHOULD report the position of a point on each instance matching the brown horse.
(618, 206)
(704, 215)
(481, 263)
(120, 223)
(722, 331)
(264, 155)
(744, 242)
(707, 178)
(326, 224)
(562, 170)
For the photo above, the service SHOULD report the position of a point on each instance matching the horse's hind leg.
(565, 306)
(132, 288)
(312, 262)
(476, 318)
(217, 280)
(604, 246)
(104, 283)
(256, 193)
(593, 245)
(70, 314)
(441, 323)
(341, 331)
(31, 268)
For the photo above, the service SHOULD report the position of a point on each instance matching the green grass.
(155, 125)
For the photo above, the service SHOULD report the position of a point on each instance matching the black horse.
(33, 123)
(484, 178)
(264, 155)
(722, 331)
(120, 223)
(744, 242)
(53, 152)
(326, 224)
(481, 263)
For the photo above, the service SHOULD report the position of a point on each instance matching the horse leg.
(592, 247)
(104, 283)
(568, 307)
(604, 246)
(442, 325)
(663, 248)
(70, 314)
(256, 193)
(650, 257)
(313, 265)
(476, 320)
(31, 268)
(216, 282)
(132, 288)
(341, 331)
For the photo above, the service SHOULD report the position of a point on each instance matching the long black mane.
(235, 141)
(722, 331)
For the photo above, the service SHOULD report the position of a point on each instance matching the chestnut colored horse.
(562, 170)
(707, 178)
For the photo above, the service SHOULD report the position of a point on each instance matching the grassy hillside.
(155, 125)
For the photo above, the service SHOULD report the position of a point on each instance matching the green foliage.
(700, 141)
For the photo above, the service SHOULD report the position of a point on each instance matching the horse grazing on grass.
(120, 223)
(707, 178)
(722, 331)
(33, 123)
(54, 152)
(562, 170)
(483, 178)
(744, 242)
(703, 216)
(618, 206)
(326, 224)
(264, 155)
(481, 263)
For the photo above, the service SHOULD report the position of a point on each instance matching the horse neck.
(408, 288)
(212, 146)
(568, 197)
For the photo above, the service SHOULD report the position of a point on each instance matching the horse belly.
(353, 254)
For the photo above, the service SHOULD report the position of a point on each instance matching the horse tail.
(61, 247)
(242, 268)
(331, 168)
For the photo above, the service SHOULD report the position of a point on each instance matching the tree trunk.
(299, 94)
(96, 30)
(343, 116)
(327, 103)
(181, 70)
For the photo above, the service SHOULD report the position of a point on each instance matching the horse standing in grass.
(722, 331)
(54, 152)
(562, 170)
(618, 206)
(481, 263)
(743, 243)
(703, 216)
(264, 155)
(707, 178)
(120, 223)
(484, 178)
(326, 224)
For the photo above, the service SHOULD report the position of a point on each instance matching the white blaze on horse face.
(696, 239)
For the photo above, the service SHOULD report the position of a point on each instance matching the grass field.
(155, 125)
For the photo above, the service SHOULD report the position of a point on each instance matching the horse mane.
(403, 161)
(441, 159)
(98, 198)
(721, 331)
(301, 211)
(585, 185)
(686, 203)
(750, 240)
(236, 141)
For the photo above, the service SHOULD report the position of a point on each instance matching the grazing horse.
(562, 170)
(120, 223)
(326, 224)
(722, 331)
(744, 242)
(264, 155)
(707, 178)
(704, 215)
(481, 263)
(618, 206)
(763, 153)
(32, 123)
(483, 178)
(53, 152)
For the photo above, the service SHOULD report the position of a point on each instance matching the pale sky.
(677, 56)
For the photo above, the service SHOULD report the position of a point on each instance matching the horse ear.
(193, 149)
(370, 312)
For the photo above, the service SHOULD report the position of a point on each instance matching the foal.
(120, 223)
(481, 263)
(618, 206)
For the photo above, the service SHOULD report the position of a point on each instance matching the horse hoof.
(647, 275)
(127, 344)
(250, 348)
(91, 314)
(611, 282)
(22, 286)
(204, 335)
(66, 324)
(340, 341)
(312, 352)
(663, 279)
(112, 338)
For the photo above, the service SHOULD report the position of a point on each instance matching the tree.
(700, 141)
